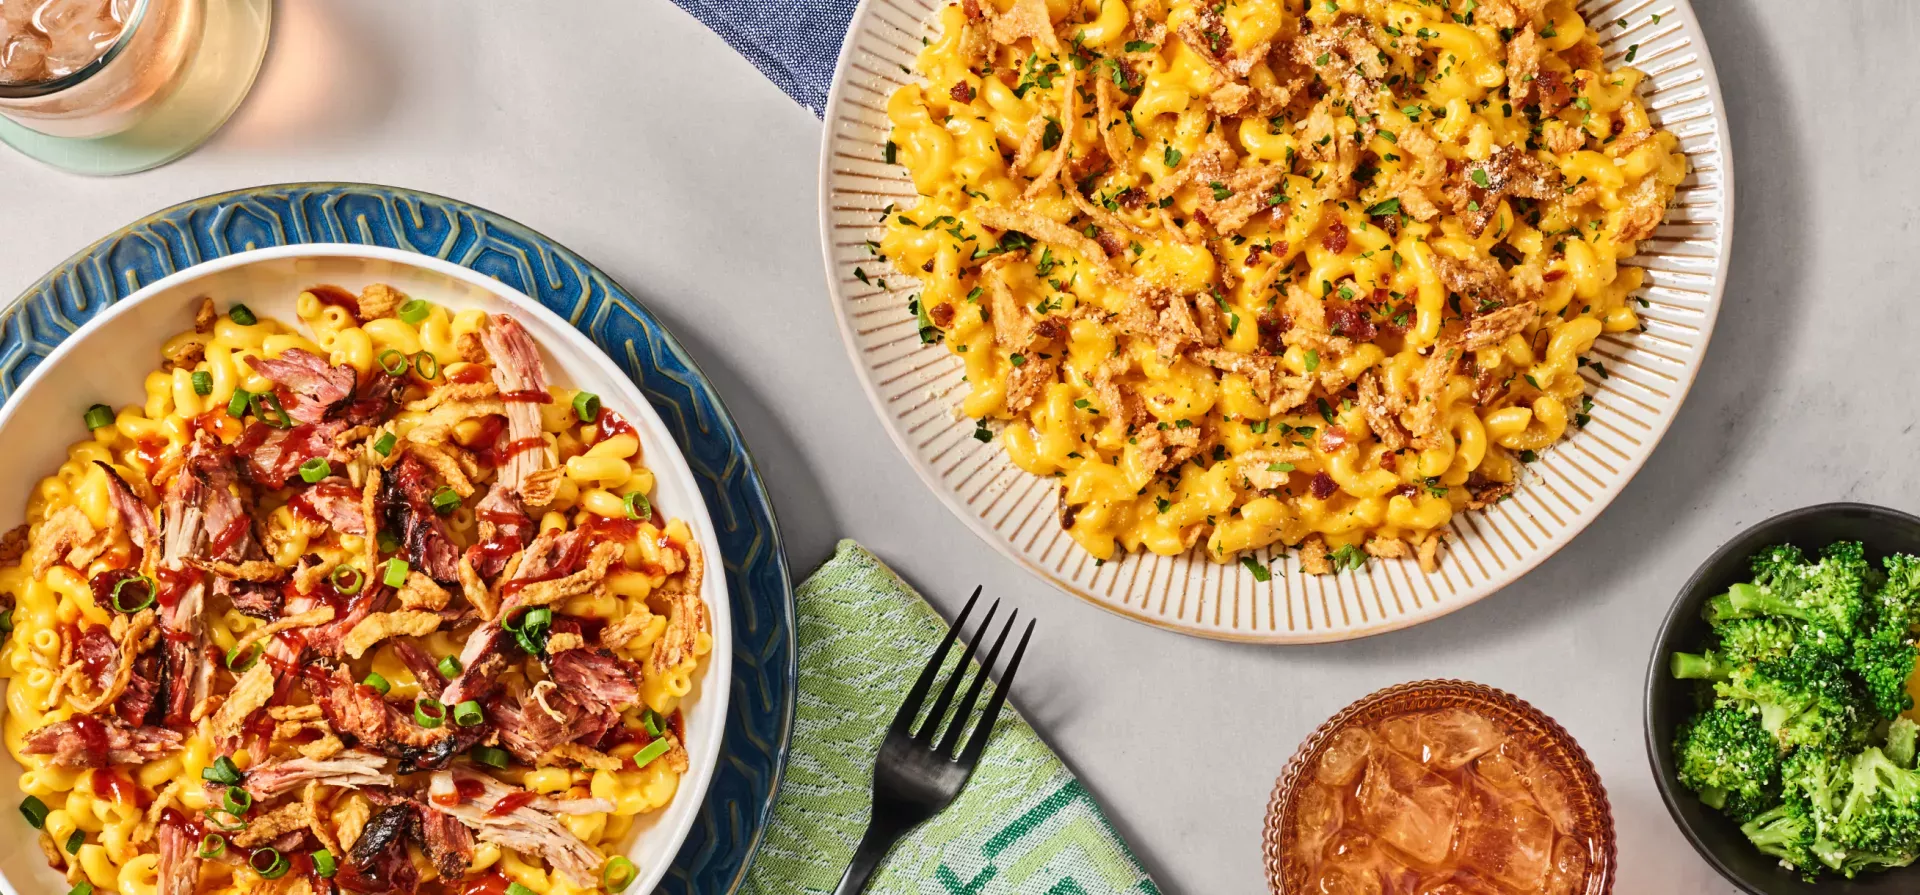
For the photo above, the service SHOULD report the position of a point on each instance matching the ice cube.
(1499, 770)
(1568, 874)
(1402, 734)
(1317, 815)
(23, 58)
(1452, 884)
(1344, 757)
(1409, 807)
(1453, 737)
(1506, 840)
(1551, 793)
(1345, 881)
(78, 31)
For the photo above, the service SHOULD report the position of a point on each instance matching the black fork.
(916, 776)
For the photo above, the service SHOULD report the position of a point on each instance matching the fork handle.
(873, 846)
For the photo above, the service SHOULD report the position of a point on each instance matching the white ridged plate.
(915, 387)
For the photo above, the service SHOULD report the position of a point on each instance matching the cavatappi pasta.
(1270, 272)
(374, 607)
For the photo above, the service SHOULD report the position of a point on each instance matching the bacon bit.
(941, 315)
(1390, 461)
(1110, 242)
(1347, 320)
(1049, 328)
(1132, 198)
(1332, 439)
(1336, 238)
(962, 92)
(1322, 486)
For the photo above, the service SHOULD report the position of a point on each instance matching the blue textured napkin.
(793, 42)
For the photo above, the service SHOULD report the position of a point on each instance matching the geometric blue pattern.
(760, 711)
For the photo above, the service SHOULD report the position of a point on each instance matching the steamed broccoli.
(1803, 737)
(1726, 757)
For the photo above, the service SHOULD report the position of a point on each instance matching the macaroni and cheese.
(1272, 272)
(363, 608)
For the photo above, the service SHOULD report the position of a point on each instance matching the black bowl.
(1669, 702)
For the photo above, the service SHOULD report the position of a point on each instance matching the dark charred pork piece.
(310, 388)
(85, 741)
(447, 842)
(409, 511)
(378, 860)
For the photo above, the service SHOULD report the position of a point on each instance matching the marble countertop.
(629, 133)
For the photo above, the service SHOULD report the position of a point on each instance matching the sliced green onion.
(618, 875)
(444, 500)
(243, 315)
(490, 756)
(394, 361)
(396, 573)
(213, 845)
(638, 506)
(237, 801)
(99, 415)
(537, 617)
(450, 667)
(517, 889)
(81, 888)
(274, 867)
(587, 405)
(347, 579)
(387, 541)
(223, 771)
(651, 721)
(378, 683)
(202, 383)
(35, 810)
(75, 841)
(468, 714)
(426, 365)
(6, 620)
(315, 469)
(234, 657)
(414, 310)
(237, 407)
(428, 712)
(323, 863)
(384, 444)
(651, 751)
(266, 406)
(213, 820)
(144, 600)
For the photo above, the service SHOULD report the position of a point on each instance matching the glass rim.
(36, 89)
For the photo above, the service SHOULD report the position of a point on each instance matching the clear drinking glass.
(114, 86)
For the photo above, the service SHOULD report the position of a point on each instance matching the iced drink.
(1437, 801)
(49, 79)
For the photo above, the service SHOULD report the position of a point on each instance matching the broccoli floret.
(1802, 700)
(1724, 755)
(1896, 603)
(1881, 812)
(1884, 662)
(1826, 598)
(1902, 737)
(1785, 832)
(1745, 640)
(1707, 666)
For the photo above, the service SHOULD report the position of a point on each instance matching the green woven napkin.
(1024, 824)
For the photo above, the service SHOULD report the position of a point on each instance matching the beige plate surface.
(915, 387)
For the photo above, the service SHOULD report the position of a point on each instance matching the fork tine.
(978, 742)
(910, 708)
(949, 743)
(939, 711)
